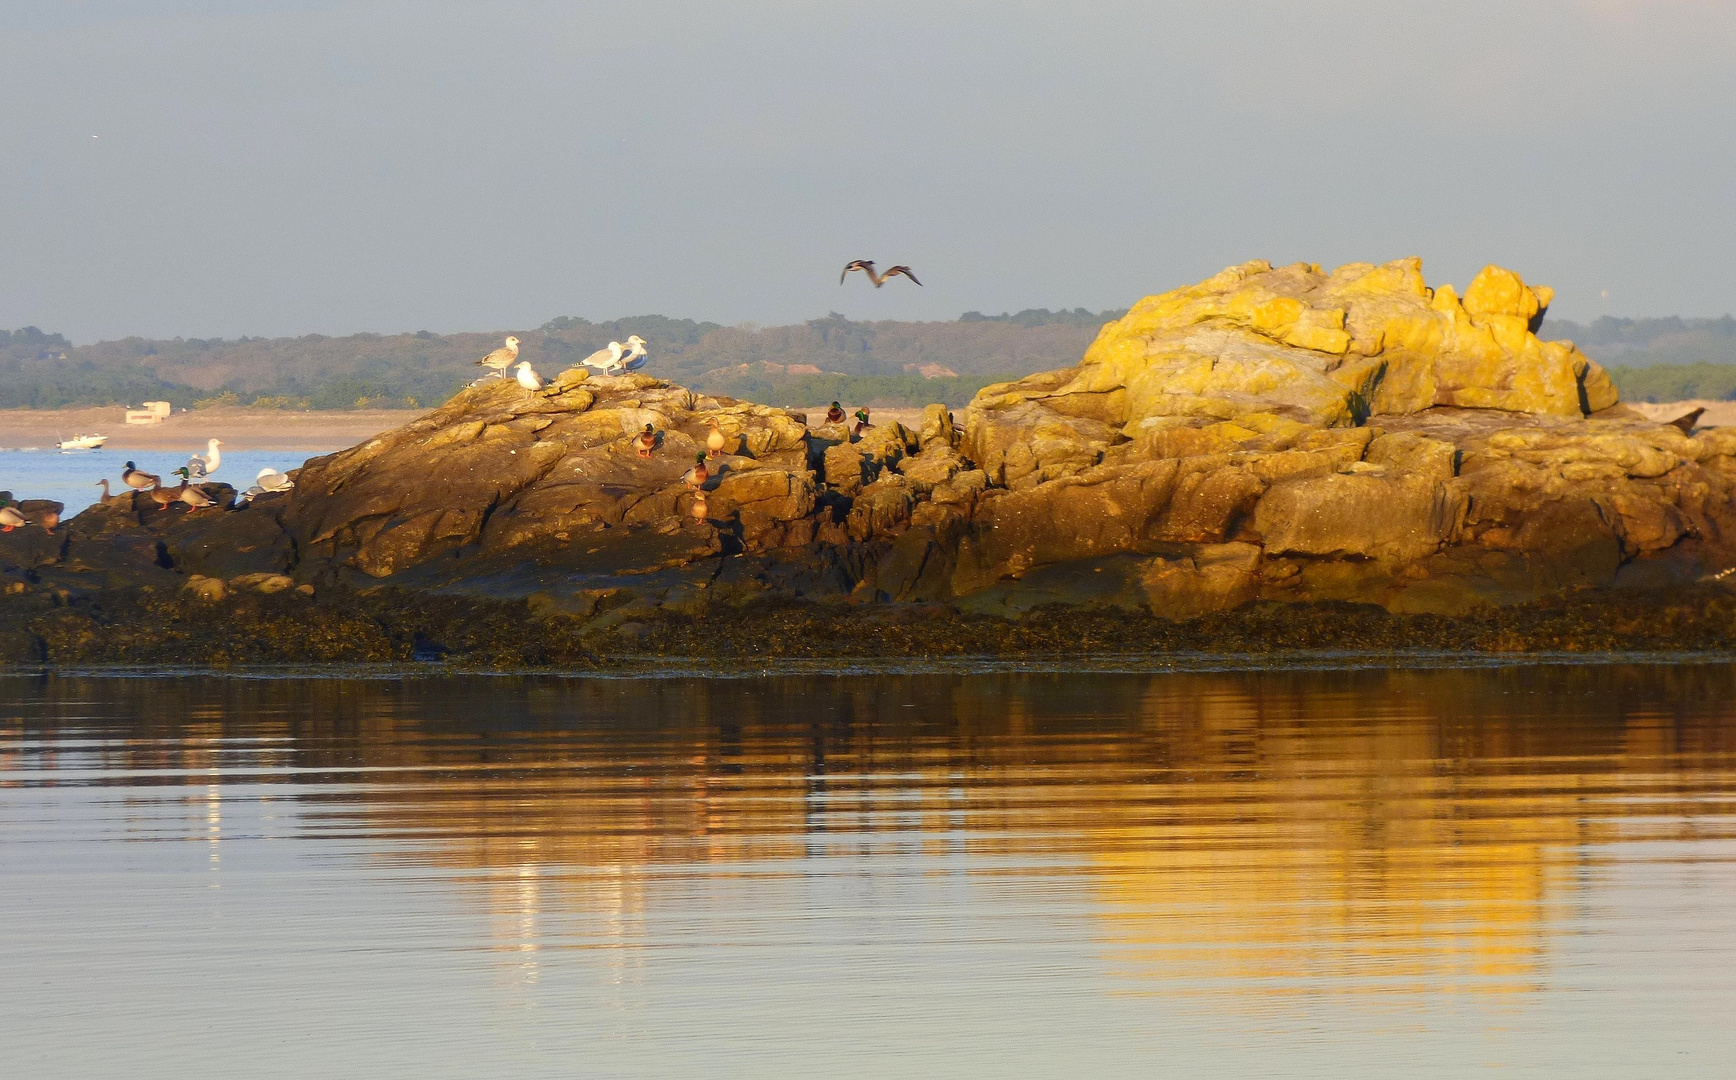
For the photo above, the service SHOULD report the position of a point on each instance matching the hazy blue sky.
(271, 167)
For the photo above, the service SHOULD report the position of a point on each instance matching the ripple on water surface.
(1334, 873)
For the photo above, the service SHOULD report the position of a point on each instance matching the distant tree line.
(422, 368)
(874, 363)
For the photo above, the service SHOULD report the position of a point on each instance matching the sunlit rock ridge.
(1269, 434)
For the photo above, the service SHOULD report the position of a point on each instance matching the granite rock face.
(1268, 434)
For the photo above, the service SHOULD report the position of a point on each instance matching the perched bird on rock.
(1685, 422)
(268, 480)
(133, 478)
(862, 423)
(645, 441)
(201, 466)
(635, 358)
(272, 480)
(502, 358)
(867, 267)
(699, 474)
(10, 517)
(714, 441)
(527, 376)
(48, 520)
(606, 360)
(699, 510)
(835, 415)
(167, 497)
(192, 494)
(112, 500)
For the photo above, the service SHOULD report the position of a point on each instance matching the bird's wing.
(905, 270)
(857, 264)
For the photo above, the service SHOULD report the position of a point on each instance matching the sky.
(217, 168)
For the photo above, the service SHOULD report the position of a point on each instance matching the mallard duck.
(699, 510)
(201, 466)
(48, 520)
(192, 494)
(133, 478)
(862, 423)
(166, 497)
(527, 376)
(835, 415)
(699, 474)
(111, 500)
(10, 517)
(714, 441)
(645, 441)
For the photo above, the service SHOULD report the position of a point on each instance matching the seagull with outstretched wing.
(867, 267)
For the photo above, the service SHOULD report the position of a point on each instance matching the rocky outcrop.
(1267, 435)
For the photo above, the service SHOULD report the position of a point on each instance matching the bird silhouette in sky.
(867, 267)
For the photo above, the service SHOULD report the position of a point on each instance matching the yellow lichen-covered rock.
(1321, 349)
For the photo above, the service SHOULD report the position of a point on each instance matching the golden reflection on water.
(1248, 837)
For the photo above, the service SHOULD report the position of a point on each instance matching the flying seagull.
(867, 267)
(502, 358)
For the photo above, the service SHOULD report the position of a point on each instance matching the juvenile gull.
(502, 358)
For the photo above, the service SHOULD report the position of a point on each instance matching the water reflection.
(1251, 841)
(1247, 834)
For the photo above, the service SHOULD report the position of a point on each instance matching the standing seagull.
(199, 467)
(635, 357)
(502, 358)
(605, 360)
(527, 376)
(867, 267)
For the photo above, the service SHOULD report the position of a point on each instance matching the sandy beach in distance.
(248, 429)
(238, 428)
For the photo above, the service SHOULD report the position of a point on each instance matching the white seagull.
(502, 358)
(201, 466)
(268, 480)
(605, 360)
(527, 376)
(635, 358)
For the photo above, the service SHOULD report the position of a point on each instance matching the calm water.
(71, 477)
(1526, 871)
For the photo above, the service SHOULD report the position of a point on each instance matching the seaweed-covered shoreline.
(148, 627)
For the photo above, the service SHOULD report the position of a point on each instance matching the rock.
(1322, 349)
(1391, 516)
(1214, 577)
(206, 588)
(1269, 434)
(264, 583)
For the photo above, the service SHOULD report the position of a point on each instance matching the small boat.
(84, 442)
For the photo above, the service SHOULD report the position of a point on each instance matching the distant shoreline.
(239, 428)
